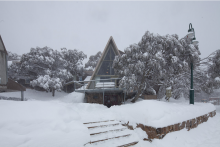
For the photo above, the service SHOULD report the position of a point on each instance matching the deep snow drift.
(59, 122)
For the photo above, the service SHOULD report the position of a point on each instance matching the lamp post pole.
(191, 35)
(192, 90)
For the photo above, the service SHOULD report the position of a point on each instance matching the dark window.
(106, 67)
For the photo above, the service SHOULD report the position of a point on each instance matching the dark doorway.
(111, 99)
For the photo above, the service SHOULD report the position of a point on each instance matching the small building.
(103, 85)
(6, 84)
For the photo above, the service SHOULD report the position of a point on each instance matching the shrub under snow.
(47, 83)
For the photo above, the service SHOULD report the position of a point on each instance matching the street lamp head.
(194, 41)
(190, 34)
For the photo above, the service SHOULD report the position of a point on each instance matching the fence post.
(22, 95)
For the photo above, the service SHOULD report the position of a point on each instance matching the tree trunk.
(53, 92)
(136, 96)
(139, 90)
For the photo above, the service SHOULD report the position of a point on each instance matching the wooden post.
(22, 95)
(103, 97)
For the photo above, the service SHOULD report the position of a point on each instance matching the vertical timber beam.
(22, 95)
(103, 97)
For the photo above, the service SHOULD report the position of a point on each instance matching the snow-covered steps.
(97, 122)
(110, 133)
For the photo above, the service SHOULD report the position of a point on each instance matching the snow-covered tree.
(93, 61)
(155, 59)
(13, 56)
(214, 66)
(14, 71)
(141, 65)
(47, 83)
(40, 62)
(72, 60)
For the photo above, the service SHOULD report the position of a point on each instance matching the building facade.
(3, 65)
(103, 86)
(6, 84)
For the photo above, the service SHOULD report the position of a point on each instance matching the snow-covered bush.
(47, 83)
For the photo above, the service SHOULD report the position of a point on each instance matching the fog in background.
(87, 26)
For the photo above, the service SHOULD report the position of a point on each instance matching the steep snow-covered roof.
(111, 40)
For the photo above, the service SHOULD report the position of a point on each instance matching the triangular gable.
(116, 51)
(1, 41)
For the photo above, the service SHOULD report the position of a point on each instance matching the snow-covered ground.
(48, 121)
(31, 94)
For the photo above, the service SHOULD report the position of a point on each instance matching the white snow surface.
(53, 122)
(87, 78)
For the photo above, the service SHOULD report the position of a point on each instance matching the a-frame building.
(104, 84)
(104, 68)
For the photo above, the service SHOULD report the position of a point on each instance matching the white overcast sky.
(87, 26)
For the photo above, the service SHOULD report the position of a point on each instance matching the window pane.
(112, 54)
(112, 72)
(105, 68)
(107, 57)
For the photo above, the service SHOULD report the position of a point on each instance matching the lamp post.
(191, 35)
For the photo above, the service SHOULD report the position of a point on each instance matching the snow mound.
(40, 123)
(158, 113)
(74, 97)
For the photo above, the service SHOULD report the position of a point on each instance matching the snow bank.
(160, 114)
(32, 94)
(40, 123)
(74, 97)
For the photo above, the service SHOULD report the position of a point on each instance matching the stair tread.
(110, 135)
(101, 123)
(115, 130)
(98, 122)
(114, 142)
(106, 125)
(128, 144)
(102, 129)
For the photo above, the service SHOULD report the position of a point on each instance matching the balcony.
(100, 85)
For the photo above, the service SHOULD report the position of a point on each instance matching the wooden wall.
(116, 98)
